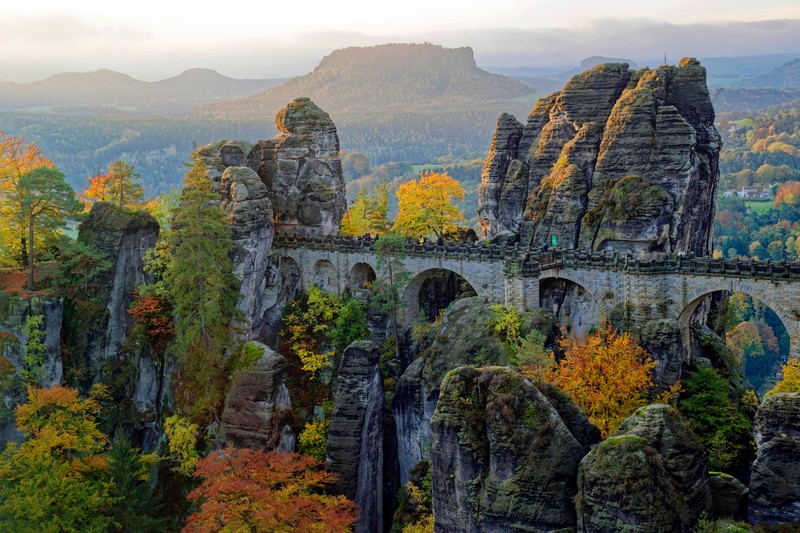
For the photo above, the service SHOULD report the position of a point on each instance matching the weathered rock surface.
(249, 214)
(14, 313)
(502, 458)
(99, 331)
(300, 168)
(618, 159)
(775, 481)
(651, 475)
(728, 495)
(124, 237)
(465, 336)
(355, 436)
(258, 410)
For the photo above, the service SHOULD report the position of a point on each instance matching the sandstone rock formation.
(651, 475)
(728, 495)
(775, 481)
(258, 410)
(502, 458)
(618, 159)
(300, 168)
(465, 336)
(355, 436)
(13, 342)
(249, 214)
(124, 237)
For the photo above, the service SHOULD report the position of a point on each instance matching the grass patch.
(759, 207)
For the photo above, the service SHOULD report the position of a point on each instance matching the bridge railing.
(529, 261)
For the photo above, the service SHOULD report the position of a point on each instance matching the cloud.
(638, 39)
(33, 48)
(55, 29)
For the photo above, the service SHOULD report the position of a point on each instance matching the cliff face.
(300, 169)
(294, 183)
(502, 458)
(618, 159)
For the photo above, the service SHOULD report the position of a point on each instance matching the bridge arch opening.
(758, 333)
(325, 276)
(433, 290)
(573, 304)
(362, 275)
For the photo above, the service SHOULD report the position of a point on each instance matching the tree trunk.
(30, 253)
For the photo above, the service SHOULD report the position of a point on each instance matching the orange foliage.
(153, 313)
(788, 193)
(248, 490)
(98, 190)
(607, 374)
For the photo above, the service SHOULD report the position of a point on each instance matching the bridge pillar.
(521, 292)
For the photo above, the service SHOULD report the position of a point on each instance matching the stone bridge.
(648, 286)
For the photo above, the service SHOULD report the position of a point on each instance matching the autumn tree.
(16, 158)
(203, 292)
(55, 480)
(791, 378)
(426, 206)
(45, 203)
(607, 374)
(369, 213)
(248, 490)
(118, 185)
(788, 193)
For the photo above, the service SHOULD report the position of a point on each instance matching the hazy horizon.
(155, 40)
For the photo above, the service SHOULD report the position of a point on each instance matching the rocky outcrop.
(502, 458)
(620, 159)
(300, 169)
(355, 436)
(775, 481)
(465, 336)
(728, 495)
(99, 330)
(124, 237)
(258, 410)
(650, 475)
(249, 214)
(14, 313)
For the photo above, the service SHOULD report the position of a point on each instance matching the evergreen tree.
(203, 291)
(118, 185)
(45, 202)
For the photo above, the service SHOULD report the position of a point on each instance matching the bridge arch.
(325, 276)
(416, 296)
(361, 276)
(573, 300)
(698, 295)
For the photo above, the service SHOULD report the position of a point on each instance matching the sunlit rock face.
(618, 159)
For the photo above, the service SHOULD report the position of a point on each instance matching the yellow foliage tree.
(369, 213)
(118, 185)
(607, 374)
(791, 378)
(17, 157)
(426, 206)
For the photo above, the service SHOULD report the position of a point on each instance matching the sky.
(155, 39)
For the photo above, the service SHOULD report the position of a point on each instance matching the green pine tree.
(204, 293)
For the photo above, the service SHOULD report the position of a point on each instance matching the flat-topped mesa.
(620, 159)
(300, 168)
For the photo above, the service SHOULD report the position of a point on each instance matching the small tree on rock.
(46, 202)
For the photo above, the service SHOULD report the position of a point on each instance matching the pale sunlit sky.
(152, 39)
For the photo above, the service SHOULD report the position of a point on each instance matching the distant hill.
(384, 78)
(784, 76)
(107, 92)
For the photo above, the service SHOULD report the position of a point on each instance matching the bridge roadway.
(649, 286)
